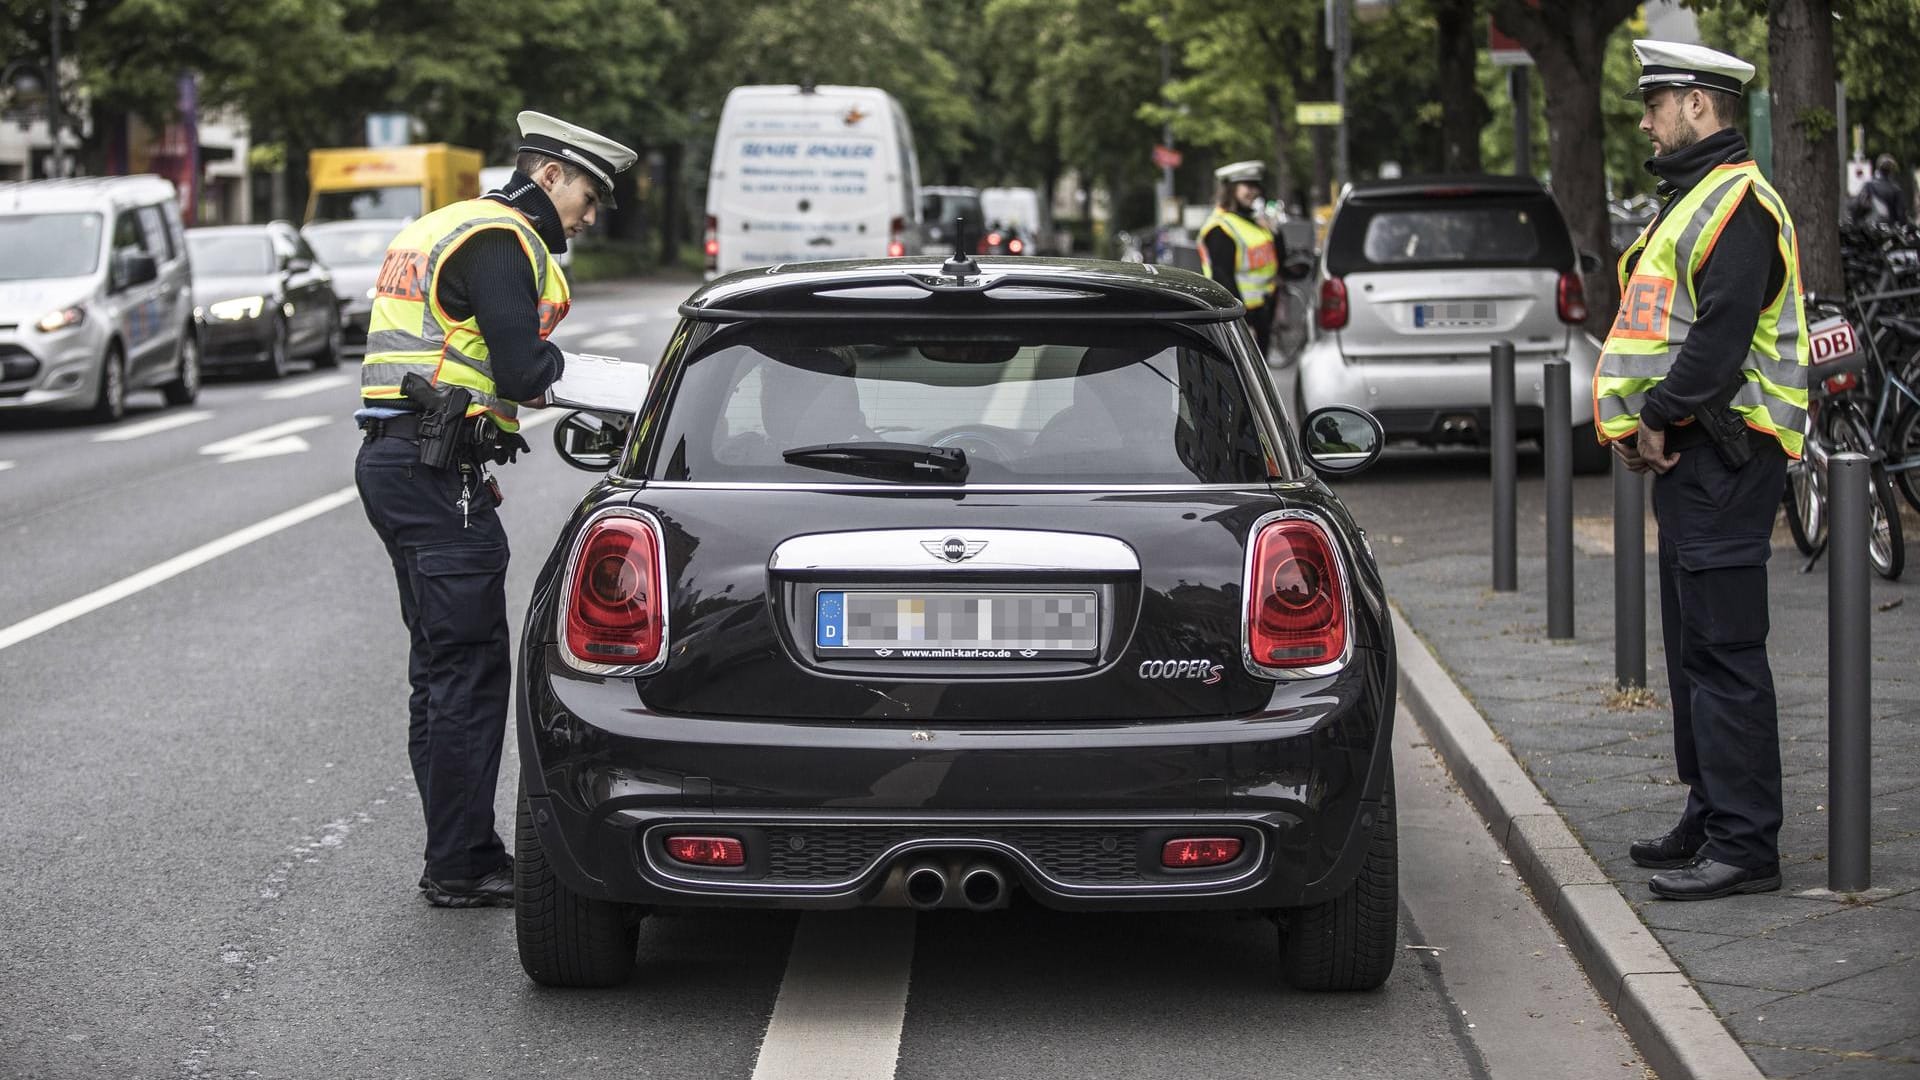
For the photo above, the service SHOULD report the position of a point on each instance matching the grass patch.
(1631, 699)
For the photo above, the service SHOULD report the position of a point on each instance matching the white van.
(805, 173)
(1019, 209)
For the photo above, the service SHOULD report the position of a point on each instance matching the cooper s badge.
(1206, 671)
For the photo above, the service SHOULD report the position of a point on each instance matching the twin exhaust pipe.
(981, 887)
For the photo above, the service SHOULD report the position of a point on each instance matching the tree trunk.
(1806, 158)
(673, 216)
(1282, 185)
(1463, 112)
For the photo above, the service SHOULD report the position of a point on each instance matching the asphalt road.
(211, 836)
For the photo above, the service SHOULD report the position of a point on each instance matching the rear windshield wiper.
(914, 459)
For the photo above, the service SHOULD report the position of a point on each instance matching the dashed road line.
(305, 387)
(627, 320)
(843, 1001)
(269, 441)
(5, 465)
(152, 427)
(36, 625)
(618, 339)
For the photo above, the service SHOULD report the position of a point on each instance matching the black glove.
(508, 446)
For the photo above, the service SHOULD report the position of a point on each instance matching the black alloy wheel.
(330, 348)
(279, 354)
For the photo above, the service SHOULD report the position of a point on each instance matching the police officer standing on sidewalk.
(467, 297)
(1703, 380)
(1239, 251)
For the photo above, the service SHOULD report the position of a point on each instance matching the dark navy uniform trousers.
(1716, 526)
(452, 575)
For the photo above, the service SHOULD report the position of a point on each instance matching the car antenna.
(962, 264)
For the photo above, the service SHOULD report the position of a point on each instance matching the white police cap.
(598, 155)
(1671, 63)
(1247, 172)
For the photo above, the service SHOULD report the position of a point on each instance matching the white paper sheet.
(601, 383)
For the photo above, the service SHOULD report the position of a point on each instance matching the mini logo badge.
(954, 548)
(883, 652)
(1206, 671)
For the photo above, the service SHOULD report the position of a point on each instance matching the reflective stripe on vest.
(1256, 265)
(410, 332)
(1658, 305)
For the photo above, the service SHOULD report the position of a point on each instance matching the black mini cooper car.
(943, 585)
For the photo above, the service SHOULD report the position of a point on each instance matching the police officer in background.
(1703, 381)
(1239, 251)
(467, 297)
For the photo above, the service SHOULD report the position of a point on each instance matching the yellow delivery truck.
(360, 183)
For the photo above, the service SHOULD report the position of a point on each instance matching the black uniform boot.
(494, 890)
(1669, 852)
(1704, 879)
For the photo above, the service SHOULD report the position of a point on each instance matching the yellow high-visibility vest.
(1256, 262)
(1658, 307)
(410, 331)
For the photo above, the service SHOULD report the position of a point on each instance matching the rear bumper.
(1442, 399)
(831, 814)
(228, 342)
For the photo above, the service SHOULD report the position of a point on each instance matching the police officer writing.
(1703, 381)
(467, 297)
(1238, 251)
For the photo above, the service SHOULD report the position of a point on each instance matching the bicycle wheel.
(1806, 506)
(1904, 448)
(1886, 547)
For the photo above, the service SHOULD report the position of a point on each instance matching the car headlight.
(245, 307)
(61, 319)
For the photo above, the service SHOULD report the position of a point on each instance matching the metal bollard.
(1629, 576)
(1557, 441)
(1506, 576)
(1849, 675)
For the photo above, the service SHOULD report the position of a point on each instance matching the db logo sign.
(1206, 671)
(1831, 339)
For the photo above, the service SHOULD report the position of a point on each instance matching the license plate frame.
(893, 616)
(1455, 315)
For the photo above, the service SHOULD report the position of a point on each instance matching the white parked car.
(1419, 278)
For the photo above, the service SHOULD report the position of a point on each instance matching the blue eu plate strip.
(830, 621)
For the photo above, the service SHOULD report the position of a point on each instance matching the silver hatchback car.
(1420, 277)
(95, 299)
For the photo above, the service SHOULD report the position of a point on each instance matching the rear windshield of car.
(1448, 233)
(387, 203)
(48, 245)
(943, 209)
(1044, 406)
(357, 246)
(230, 253)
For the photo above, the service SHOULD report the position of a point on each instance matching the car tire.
(110, 402)
(185, 387)
(1351, 941)
(1590, 457)
(329, 354)
(566, 939)
(279, 361)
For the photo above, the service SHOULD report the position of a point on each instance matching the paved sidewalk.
(1810, 985)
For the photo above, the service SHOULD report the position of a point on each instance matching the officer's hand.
(1653, 450)
(1629, 456)
(510, 447)
(540, 402)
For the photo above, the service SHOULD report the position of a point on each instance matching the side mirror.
(132, 268)
(1340, 440)
(1591, 263)
(1297, 269)
(588, 441)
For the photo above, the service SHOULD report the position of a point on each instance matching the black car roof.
(1446, 186)
(1001, 289)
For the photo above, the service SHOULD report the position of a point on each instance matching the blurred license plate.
(957, 626)
(1453, 315)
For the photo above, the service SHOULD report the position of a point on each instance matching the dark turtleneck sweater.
(1741, 275)
(490, 279)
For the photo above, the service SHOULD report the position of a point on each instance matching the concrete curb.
(1675, 1031)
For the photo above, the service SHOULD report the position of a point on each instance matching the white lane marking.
(179, 564)
(616, 340)
(305, 387)
(843, 1001)
(627, 320)
(5, 465)
(152, 427)
(269, 441)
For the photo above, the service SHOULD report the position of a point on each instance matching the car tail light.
(1202, 851)
(994, 239)
(897, 238)
(713, 242)
(1572, 298)
(1296, 611)
(1333, 304)
(1015, 247)
(615, 613)
(707, 850)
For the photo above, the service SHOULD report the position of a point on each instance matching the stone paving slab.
(1838, 982)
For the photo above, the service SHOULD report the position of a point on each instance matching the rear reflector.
(707, 850)
(1296, 612)
(1204, 851)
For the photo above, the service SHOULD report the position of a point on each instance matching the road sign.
(389, 129)
(1505, 51)
(1166, 157)
(1318, 114)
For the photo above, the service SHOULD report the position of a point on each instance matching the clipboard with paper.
(604, 384)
